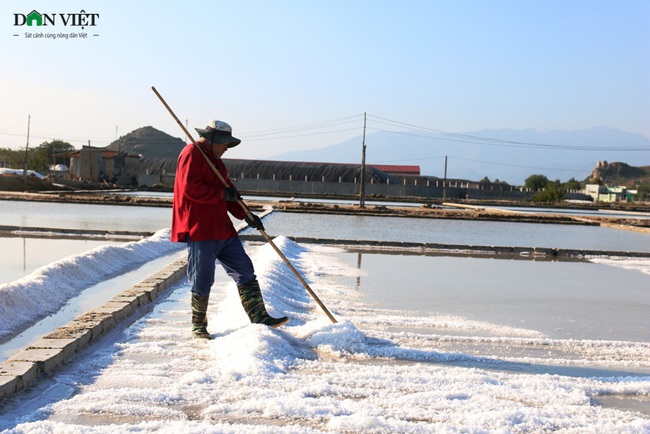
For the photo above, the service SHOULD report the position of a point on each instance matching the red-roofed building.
(397, 169)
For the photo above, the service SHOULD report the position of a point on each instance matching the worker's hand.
(231, 194)
(254, 222)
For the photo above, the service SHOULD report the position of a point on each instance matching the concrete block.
(117, 310)
(149, 283)
(141, 294)
(156, 282)
(26, 372)
(72, 330)
(164, 284)
(47, 359)
(147, 289)
(179, 273)
(164, 274)
(8, 385)
(67, 346)
(97, 316)
(132, 299)
(94, 328)
(16, 375)
(157, 289)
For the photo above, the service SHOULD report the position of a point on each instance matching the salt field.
(422, 343)
(461, 232)
(451, 202)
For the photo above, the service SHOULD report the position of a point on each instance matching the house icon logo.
(34, 17)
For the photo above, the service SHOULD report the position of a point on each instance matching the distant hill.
(619, 174)
(570, 154)
(149, 142)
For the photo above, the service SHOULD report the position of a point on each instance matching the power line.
(248, 139)
(334, 126)
(466, 138)
(272, 134)
(46, 136)
(521, 167)
(305, 127)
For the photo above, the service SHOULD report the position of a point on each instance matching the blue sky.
(454, 66)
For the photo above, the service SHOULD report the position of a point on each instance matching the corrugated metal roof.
(396, 169)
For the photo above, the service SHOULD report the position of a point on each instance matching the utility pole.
(444, 182)
(90, 161)
(362, 189)
(29, 119)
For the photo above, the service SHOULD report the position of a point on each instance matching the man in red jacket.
(200, 219)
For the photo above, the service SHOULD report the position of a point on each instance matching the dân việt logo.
(39, 23)
(34, 18)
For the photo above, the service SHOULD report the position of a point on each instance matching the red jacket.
(199, 207)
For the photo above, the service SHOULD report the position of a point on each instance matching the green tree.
(42, 156)
(485, 180)
(536, 182)
(552, 192)
(39, 158)
(572, 184)
(12, 158)
(643, 192)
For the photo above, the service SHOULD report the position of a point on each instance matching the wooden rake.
(247, 211)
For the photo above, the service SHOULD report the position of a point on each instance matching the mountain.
(620, 174)
(149, 142)
(505, 155)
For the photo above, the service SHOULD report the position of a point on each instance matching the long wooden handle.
(247, 210)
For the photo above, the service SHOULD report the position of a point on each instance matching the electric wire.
(339, 125)
(521, 167)
(36, 134)
(466, 138)
(248, 139)
(288, 131)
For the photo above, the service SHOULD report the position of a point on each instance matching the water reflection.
(21, 256)
(359, 254)
(84, 216)
(447, 231)
(566, 300)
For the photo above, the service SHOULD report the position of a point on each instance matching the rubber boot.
(253, 303)
(199, 317)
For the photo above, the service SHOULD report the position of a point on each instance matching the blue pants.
(202, 258)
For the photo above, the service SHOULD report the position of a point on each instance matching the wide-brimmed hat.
(218, 132)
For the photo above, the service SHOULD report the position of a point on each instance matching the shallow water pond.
(20, 256)
(564, 300)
